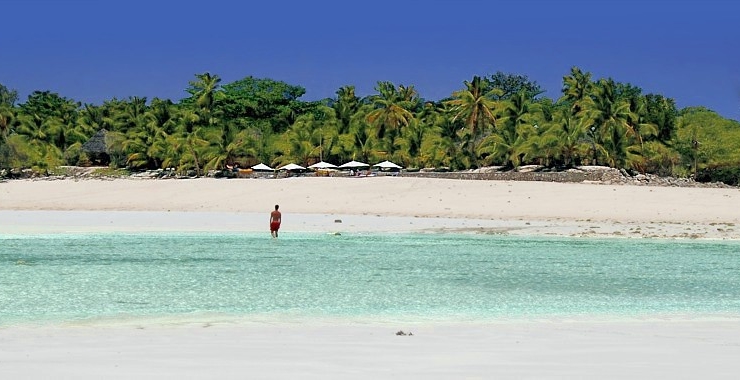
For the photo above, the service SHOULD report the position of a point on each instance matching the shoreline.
(25, 222)
(375, 204)
(228, 320)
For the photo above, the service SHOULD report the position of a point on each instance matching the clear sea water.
(59, 278)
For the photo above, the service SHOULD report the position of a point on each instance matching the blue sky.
(93, 50)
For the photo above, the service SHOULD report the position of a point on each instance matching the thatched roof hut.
(96, 144)
(97, 149)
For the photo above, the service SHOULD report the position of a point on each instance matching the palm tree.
(622, 150)
(346, 104)
(203, 90)
(313, 137)
(332, 135)
(392, 111)
(201, 145)
(297, 145)
(7, 118)
(474, 106)
(361, 141)
(33, 132)
(610, 115)
(92, 119)
(137, 133)
(516, 126)
(193, 144)
(447, 143)
(566, 135)
(577, 90)
(411, 142)
(639, 124)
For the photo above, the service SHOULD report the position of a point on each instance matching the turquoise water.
(438, 277)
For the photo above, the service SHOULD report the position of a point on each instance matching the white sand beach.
(670, 347)
(507, 350)
(372, 204)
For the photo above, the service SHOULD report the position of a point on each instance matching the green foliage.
(8, 97)
(705, 140)
(263, 99)
(392, 112)
(510, 85)
(497, 120)
(46, 104)
(661, 112)
(725, 174)
(110, 172)
(660, 159)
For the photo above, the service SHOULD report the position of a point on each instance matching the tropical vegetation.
(497, 120)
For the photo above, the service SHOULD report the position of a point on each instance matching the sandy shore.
(611, 349)
(511, 350)
(373, 204)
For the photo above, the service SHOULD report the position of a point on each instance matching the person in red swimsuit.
(275, 219)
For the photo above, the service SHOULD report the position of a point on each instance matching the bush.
(660, 159)
(110, 172)
(728, 174)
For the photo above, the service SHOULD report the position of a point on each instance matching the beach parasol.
(387, 165)
(291, 166)
(262, 167)
(322, 165)
(354, 164)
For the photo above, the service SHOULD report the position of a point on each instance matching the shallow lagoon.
(57, 278)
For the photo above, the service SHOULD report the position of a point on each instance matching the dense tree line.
(501, 120)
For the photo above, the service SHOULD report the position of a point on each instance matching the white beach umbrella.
(291, 166)
(387, 165)
(354, 164)
(262, 167)
(322, 165)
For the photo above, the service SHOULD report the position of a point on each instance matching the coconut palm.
(346, 104)
(33, 133)
(610, 115)
(138, 133)
(193, 145)
(577, 90)
(410, 144)
(516, 125)
(7, 118)
(92, 119)
(297, 145)
(474, 106)
(566, 136)
(392, 112)
(639, 123)
(623, 151)
(475, 109)
(445, 143)
(361, 140)
(203, 91)
(332, 141)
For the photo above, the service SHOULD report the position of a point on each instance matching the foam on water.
(445, 277)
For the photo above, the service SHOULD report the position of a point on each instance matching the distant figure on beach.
(275, 219)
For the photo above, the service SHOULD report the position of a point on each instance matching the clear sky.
(93, 50)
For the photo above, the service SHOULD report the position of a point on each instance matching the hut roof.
(96, 144)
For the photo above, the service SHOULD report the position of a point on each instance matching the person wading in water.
(275, 219)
